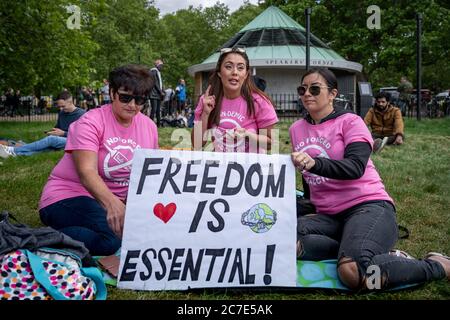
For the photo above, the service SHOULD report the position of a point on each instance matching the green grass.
(416, 175)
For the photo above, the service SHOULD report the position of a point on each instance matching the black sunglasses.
(313, 89)
(126, 98)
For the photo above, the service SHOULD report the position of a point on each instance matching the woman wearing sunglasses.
(356, 218)
(239, 115)
(86, 192)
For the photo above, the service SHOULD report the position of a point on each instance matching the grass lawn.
(416, 175)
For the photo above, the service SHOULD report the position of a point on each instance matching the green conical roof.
(275, 39)
(272, 17)
(273, 27)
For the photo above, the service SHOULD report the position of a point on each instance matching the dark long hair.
(248, 88)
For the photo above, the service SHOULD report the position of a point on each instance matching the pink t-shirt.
(99, 131)
(233, 115)
(328, 140)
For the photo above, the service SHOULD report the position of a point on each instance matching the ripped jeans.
(365, 233)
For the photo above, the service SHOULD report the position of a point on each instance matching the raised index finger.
(206, 95)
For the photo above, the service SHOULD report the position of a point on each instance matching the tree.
(193, 34)
(127, 31)
(388, 53)
(38, 52)
(241, 17)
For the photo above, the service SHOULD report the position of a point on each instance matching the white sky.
(169, 6)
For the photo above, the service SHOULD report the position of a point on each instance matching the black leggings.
(364, 233)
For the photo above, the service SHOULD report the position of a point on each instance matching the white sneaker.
(6, 152)
(383, 143)
(400, 253)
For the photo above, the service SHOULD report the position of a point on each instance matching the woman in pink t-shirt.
(241, 117)
(86, 192)
(355, 218)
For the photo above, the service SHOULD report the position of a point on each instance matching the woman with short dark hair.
(85, 194)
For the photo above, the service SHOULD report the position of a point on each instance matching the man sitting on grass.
(385, 121)
(56, 137)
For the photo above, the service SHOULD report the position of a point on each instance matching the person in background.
(16, 104)
(157, 93)
(82, 98)
(260, 83)
(91, 102)
(9, 100)
(180, 91)
(85, 195)
(168, 101)
(385, 122)
(240, 116)
(405, 89)
(56, 137)
(105, 92)
(355, 219)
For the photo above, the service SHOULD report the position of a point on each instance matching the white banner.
(209, 219)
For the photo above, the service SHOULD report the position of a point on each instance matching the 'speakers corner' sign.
(299, 62)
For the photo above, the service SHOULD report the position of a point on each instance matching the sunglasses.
(313, 89)
(235, 49)
(126, 98)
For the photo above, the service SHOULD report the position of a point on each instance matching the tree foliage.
(389, 52)
(39, 53)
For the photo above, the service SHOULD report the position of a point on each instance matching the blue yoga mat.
(323, 274)
(318, 274)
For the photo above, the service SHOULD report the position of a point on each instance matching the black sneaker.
(378, 144)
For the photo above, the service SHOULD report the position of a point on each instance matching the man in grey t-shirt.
(56, 137)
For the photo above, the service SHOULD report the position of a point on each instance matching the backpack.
(43, 263)
(176, 123)
(48, 274)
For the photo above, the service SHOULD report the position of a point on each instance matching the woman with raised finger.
(85, 194)
(239, 116)
(355, 218)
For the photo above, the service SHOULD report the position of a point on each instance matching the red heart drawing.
(165, 213)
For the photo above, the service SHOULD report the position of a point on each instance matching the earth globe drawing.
(260, 218)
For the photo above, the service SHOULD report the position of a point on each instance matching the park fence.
(287, 105)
